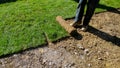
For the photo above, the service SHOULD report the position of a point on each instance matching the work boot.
(83, 28)
(75, 24)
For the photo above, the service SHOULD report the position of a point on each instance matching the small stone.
(44, 60)
(41, 50)
(50, 63)
(80, 46)
(15, 55)
(99, 51)
(100, 59)
(75, 53)
(86, 50)
(107, 53)
(89, 65)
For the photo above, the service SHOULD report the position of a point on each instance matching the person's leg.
(91, 5)
(79, 12)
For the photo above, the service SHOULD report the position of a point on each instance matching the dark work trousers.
(91, 5)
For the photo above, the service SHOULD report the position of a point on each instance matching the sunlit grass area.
(26, 23)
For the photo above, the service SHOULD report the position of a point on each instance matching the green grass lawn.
(26, 23)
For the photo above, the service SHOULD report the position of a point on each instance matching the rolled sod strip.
(64, 24)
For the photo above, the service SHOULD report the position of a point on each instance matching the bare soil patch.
(99, 47)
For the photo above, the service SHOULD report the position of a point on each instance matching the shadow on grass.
(105, 36)
(108, 8)
(7, 1)
(105, 7)
(76, 1)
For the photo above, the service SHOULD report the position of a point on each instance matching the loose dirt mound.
(99, 47)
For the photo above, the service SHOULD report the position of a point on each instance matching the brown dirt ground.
(99, 47)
